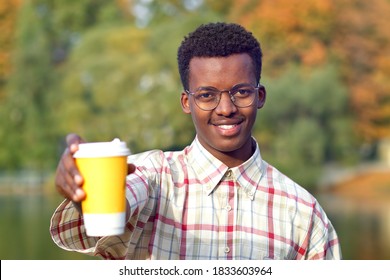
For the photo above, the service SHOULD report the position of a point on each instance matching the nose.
(226, 106)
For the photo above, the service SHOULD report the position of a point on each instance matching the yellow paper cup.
(103, 166)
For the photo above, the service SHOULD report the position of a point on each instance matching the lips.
(227, 124)
(227, 127)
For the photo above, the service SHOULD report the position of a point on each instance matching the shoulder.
(295, 197)
(286, 187)
(297, 200)
(156, 158)
(146, 158)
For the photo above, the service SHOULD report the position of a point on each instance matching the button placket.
(229, 174)
(228, 208)
(250, 194)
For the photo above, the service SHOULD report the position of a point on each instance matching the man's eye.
(206, 95)
(243, 91)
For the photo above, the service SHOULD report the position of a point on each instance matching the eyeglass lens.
(207, 98)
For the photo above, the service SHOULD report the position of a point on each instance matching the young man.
(217, 198)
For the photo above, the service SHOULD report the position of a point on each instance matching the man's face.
(227, 128)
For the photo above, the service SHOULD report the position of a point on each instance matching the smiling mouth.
(227, 127)
(228, 130)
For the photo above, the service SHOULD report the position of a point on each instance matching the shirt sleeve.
(67, 229)
(68, 232)
(323, 240)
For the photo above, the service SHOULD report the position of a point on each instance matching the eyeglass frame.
(192, 93)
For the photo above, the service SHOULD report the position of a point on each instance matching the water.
(24, 232)
(363, 228)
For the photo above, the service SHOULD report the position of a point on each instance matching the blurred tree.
(151, 13)
(46, 31)
(362, 43)
(8, 14)
(82, 66)
(25, 121)
(8, 18)
(108, 69)
(124, 80)
(291, 31)
(353, 34)
(68, 19)
(304, 122)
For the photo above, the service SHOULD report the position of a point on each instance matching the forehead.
(221, 71)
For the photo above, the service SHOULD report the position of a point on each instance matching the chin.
(229, 147)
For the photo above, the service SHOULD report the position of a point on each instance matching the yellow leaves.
(354, 34)
(315, 55)
(382, 73)
(371, 102)
(291, 31)
(129, 40)
(8, 14)
(282, 17)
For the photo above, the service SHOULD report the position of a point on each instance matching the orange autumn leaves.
(352, 33)
(8, 14)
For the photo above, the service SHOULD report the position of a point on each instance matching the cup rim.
(102, 149)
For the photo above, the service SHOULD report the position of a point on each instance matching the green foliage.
(111, 89)
(124, 81)
(24, 122)
(87, 67)
(46, 32)
(306, 122)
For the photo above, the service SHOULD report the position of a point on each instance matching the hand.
(68, 179)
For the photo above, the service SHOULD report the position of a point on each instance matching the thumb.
(72, 141)
(73, 138)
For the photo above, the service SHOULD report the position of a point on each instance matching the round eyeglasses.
(207, 98)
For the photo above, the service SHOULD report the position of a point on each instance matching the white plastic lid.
(102, 149)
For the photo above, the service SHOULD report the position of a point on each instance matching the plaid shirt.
(189, 205)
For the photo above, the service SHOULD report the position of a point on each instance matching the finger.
(74, 180)
(72, 141)
(73, 138)
(68, 179)
(69, 185)
(69, 189)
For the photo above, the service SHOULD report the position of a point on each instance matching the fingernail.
(73, 148)
(78, 179)
(79, 193)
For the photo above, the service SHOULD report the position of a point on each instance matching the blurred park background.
(107, 69)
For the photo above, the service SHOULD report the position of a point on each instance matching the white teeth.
(226, 126)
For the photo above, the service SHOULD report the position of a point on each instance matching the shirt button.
(228, 208)
(227, 249)
(229, 174)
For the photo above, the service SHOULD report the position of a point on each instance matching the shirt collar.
(210, 171)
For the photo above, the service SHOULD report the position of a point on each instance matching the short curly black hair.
(218, 40)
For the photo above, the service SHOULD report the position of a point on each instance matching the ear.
(185, 103)
(262, 97)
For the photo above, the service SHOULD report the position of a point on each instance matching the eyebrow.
(236, 85)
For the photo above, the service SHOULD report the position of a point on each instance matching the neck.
(237, 157)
